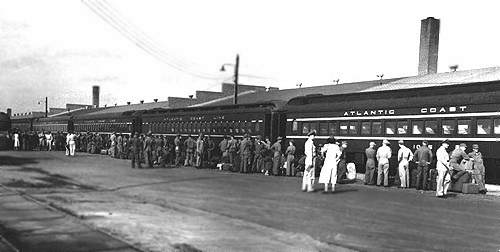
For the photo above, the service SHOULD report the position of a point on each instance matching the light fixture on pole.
(46, 106)
(236, 73)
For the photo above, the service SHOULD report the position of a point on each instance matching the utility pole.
(46, 106)
(236, 70)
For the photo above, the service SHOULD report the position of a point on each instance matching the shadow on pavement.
(9, 160)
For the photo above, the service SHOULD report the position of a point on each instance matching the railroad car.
(5, 126)
(53, 124)
(107, 123)
(467, 112)
(254, 119)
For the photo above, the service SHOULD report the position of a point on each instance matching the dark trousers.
(276, 165)
(148, 159)
(422, 177)
(178, 158)
(136, 159)
(370, 175)
(245, 163)
(257, 163)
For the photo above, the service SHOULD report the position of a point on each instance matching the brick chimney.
(429, 45)
(95, 96)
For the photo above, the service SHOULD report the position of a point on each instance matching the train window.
(305, 128)
(430, 127)
(402, 127)
(464, 127)
(323, 128)
(344, 126)
(257, 127)
(332, 127)
(376, 128)
(314, 126)
(295, 126)
(353, 128)
(484, 126)
(390, 128)
(366, 128)
(497, 126)
(448, 127)
(417, 127)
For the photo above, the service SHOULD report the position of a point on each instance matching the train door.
(278, 125)
(267, 125)
(71, 126)
(136, 124)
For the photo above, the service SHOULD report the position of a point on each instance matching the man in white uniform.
(384, 153)
(70, 141)
(49, 139)
(309, 176)
(443, 169)
(404, 157)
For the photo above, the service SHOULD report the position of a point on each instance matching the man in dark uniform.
(423, 158)
(136, 149)
(245, 152)
(190, 146)
(276, 148)
(257, 161)
(178, 149)
(478, 168)
(232, 149)
(210, 148)
(148, 148)
(370, 153)
(457, 156)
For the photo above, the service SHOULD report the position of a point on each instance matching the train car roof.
(211, 108)
(441, 79)
(281, 97)
(425, 82)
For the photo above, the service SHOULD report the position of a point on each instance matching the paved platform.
(29, 226)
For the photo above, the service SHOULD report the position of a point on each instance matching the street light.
(236, 72)
(46, 106)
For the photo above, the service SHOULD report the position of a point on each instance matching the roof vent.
(128, 103)
(115, 104)
(142, 101)
(156, 100)
(453, 68)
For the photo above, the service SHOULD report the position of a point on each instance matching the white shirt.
(309, 148)
(384, 153)
(443, 158)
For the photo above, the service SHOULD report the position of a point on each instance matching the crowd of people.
(257, 155)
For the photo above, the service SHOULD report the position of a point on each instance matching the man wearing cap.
(384, 153)
(309, 151)
(257, 161)
(136, 148)
(404, 157)
(148, 150)
(423, 158)
(246, 154)
(478, 168)
(457, 156)
(178, 149)
(370, 153)
(443, 169)
(276, 148)
(190, 146)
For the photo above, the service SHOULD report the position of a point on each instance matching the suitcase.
(226, 167)
(104, 152)
(470, 188)
(458, 184)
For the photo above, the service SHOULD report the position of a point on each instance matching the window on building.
(483, 126)
(376, 128)
(417, 127)
(431, 127)
(295, 126)
(390, 128)
(464, 127)
(332, 128)
(497, 126)
(448, 127)
(344, 128)
(305, 128)
(366, 128)
(402, 127)
(323, 128)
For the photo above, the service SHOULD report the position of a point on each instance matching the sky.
(156, 49)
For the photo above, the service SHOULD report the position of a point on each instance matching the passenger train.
(5, 126)
(468, 112)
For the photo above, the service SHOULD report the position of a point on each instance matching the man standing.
(404, 157)
(112, 150)
(384, 153)
(136, 148)
(119, 146)
(276, 148)
(232, 149)
(190, 146)
(443, 169)
(49, 139)
(148, 148)
(290, 157)
(309, 151)
(342, 164)
(478, 171)
(245, 152)
(178, 149)
(70, 142)
(257, 161)
(370, 153)
(199, 151)
(423, 158)
(223, 147)
(210, 148)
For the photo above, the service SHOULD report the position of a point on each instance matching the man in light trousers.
(384, 153)
(443, 169)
